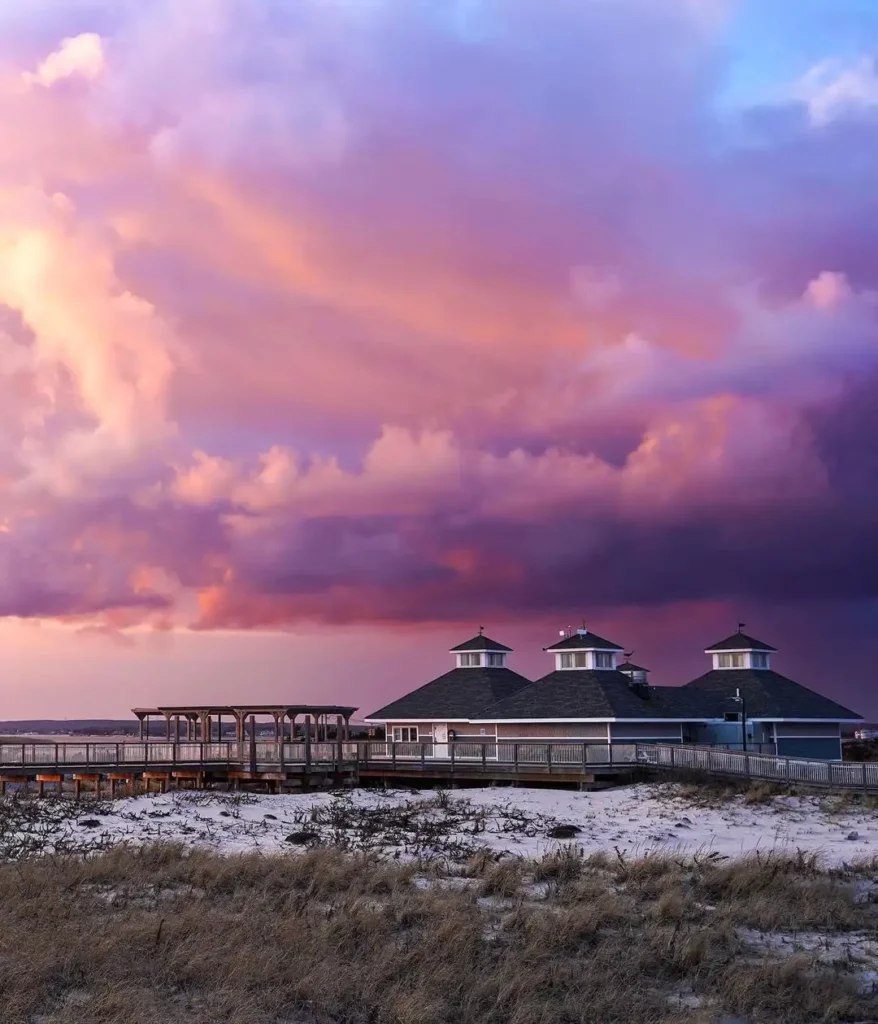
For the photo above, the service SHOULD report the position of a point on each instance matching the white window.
(482, 732)
(574, 660)
(495, 660)
(730, 661)
(470, 660)
(760, 660)
(602, 660)
(405, 734)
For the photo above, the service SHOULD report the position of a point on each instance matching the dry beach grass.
(167, 935)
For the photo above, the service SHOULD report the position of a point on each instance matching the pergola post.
(317, 727)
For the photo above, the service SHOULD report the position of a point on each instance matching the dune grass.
(167, 935)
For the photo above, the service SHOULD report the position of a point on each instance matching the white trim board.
(561, 721)
(405, 721)
(738, 650)
(839, 721)
(579, 650)
(564, 721)
(483, 650)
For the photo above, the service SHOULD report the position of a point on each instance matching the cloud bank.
(388, 311)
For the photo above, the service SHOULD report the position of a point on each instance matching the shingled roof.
(768, 694)
(629, 666)
(590, 693)
(584, 641)
(480, 643)
(686, 704)
(739, 642)
(460, 694)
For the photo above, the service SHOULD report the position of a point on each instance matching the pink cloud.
(76, 56)
(361, 313)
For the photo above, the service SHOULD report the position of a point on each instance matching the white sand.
(635, 819)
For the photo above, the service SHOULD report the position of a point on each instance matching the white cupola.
(636, 673)
(480, 652)
(740, 651)
(584, 651)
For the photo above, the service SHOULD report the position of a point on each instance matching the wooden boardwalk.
(107, 767)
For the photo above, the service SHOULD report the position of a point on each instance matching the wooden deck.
(109, 767)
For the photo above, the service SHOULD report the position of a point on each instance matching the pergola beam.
(202, 715)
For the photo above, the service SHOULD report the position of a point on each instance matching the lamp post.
(739, 699)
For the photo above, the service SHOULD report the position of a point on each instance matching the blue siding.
(621, 740)
(828, 749)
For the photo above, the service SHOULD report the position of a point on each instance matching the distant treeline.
(75, 726)
(860, 750)
(126, 727)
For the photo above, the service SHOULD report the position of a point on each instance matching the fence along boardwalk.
(491, 759)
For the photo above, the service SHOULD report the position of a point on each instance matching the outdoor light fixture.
(739, 699)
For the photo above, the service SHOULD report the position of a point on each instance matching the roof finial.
(741, 626)
(481, 630)
(628, 655)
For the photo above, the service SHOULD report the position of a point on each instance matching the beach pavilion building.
(593, 695)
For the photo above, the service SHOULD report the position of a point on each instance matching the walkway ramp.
(472, 761)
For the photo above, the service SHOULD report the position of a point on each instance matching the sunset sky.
(333, 329)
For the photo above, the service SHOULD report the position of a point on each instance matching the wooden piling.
(80, 777)
(21, 780)
(160, 777)
(43, 779)
(124, 777)
(196, 777)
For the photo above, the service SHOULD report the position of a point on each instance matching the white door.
(440, 741)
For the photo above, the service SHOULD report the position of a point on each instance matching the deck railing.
(491, 756)
(834, 774)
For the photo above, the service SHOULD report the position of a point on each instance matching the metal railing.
(490, 756)
(162, 754)
(834, 774)
(498, 753)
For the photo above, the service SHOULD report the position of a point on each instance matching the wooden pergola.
(200, 721)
